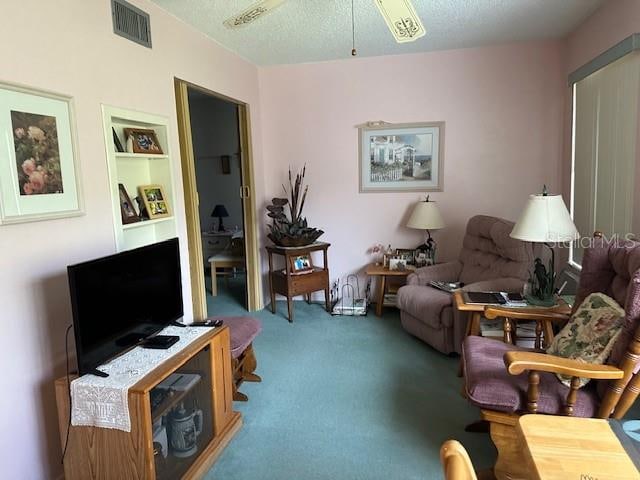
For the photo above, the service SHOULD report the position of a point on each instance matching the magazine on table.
(446, 286)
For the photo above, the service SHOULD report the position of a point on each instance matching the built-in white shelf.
(135, 169)
(139, 155)
(146, 223)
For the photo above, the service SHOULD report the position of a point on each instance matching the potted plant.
(291, 231)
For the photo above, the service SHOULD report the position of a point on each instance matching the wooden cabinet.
(214, 243)
(104, 453)
(136, 169)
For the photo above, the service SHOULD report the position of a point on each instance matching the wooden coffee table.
(382, 273)
(563, 448)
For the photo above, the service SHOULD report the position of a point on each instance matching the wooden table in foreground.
(382, 273)
(566, 448)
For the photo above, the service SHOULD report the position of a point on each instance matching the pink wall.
(503, 110)
(611, 23)
(41, 47)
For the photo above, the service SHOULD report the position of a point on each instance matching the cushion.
(489, 385)
(590, 333)
(242, 332)
(425, 303)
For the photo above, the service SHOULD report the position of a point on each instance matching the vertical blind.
(605, 127)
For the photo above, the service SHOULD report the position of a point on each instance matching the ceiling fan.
(400, 16)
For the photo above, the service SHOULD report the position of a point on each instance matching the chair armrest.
(441, 272)
(518, 362)
(525, 313)
(504, 284)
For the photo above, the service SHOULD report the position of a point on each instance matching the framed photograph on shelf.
(39, 175)
(127, 210)
(155, 201)
(404, 157)
(143, 140)
(116, 141)
(301, 264)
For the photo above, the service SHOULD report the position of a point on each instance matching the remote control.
(208, 323)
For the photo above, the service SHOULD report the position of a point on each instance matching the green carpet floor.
(344, 398)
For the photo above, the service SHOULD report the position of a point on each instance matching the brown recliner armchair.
(490, 260)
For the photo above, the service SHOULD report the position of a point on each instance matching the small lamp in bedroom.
(545, 219)
(426, 216)
(220, 211)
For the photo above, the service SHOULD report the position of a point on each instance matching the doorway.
(218, 181)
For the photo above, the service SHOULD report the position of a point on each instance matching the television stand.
(105, 453)
(176, 323)
(160, 341)
(98, 373)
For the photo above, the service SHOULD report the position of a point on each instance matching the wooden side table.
(567, 447)
(382, 273)
(289, 284)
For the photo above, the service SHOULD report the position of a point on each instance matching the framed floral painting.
(38, 168)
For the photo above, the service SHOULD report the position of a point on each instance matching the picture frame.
(116, 141)
(397, 263)
(402, 157)
(144, 140)
(127, 210)
(407, 254)
(225, 164)
(39, 172)
(301, 264)
(155, 201)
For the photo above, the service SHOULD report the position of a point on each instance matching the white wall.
(68, 46)
(214, 126)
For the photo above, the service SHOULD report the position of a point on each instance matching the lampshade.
(219, 211)
(545, 218)
(425, 216)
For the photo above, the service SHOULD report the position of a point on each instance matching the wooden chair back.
(456, 462)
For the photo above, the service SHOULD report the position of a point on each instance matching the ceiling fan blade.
(402, 19)
(252, 13)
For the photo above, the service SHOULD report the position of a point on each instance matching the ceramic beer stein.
(185, 429)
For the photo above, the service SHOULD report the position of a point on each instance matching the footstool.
(243, 330)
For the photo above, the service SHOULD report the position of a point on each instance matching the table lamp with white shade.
(426, 216)
(545, 219)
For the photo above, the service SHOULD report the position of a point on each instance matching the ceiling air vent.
(130, 22)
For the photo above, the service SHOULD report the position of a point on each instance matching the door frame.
(191, 201)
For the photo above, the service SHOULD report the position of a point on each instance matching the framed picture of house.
(39, 175)
(407, 157)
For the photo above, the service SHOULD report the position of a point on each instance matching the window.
(604, 136)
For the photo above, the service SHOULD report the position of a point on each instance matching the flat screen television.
(120, 300)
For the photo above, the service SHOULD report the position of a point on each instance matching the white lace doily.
(104, 402)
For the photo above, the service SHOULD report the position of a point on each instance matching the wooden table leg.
(381, 287)
(474, 328)
(214, 279)
(290, 308)
(272, 294)
(327, 299)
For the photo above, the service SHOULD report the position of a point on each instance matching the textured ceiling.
(314, 30)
